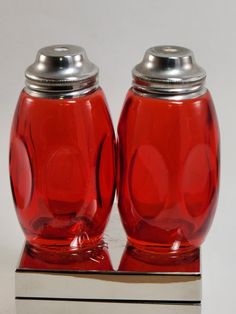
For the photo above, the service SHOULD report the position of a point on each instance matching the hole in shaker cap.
(169, 49)
(61, 49)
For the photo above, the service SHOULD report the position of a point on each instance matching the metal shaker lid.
(168, 71)
(61, 71)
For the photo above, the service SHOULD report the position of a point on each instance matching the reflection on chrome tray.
(137, 282)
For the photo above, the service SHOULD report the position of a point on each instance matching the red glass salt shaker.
(168, 154)
(62, 157)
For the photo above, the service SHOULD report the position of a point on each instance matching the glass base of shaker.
(139, 259)
(176, 250)
(37, 257)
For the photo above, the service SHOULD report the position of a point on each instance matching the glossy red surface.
(62, 169)
(168, 171)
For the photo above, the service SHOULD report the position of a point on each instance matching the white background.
(115, 35)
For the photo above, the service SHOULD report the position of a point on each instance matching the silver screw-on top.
(61, 71)
(168, 71)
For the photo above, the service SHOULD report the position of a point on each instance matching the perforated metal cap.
(61, 71)
(168, 70)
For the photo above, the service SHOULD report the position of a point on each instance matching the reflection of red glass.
(62, 170)
(135, 260)
(95, 259)
(168, 171)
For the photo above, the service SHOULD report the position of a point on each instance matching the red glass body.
(168, 171)
(62, 169)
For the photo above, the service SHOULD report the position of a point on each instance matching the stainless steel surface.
(177, 97)
(111, 286)
(75, 307)
(61, 71)
(169, 71)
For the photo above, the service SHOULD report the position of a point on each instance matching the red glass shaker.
(168, 154)
(62, 157)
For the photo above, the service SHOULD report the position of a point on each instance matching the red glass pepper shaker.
(62, 157)
(168, 176)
